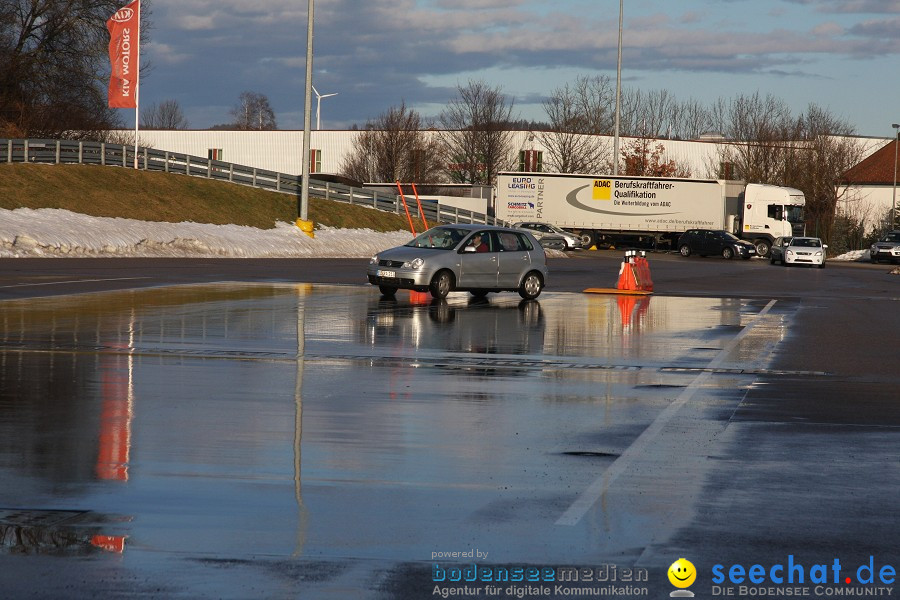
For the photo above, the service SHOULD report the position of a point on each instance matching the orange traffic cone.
(629, 278)
(643, 266)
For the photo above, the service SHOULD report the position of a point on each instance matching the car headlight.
(790, 252)
(373, 260)
(415, 263)
(819, 253)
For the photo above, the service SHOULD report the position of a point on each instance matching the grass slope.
(151, 196)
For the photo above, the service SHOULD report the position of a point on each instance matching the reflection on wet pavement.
(328, 423)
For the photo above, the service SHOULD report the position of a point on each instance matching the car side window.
(513, 242)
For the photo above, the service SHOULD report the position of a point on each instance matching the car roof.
(800, 237)
(474, 226)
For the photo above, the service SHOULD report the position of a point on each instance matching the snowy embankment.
(49, 232)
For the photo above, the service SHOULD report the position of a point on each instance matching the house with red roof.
(869, 189)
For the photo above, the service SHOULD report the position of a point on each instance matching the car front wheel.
(441, 284)
(685, 250)
(531, 286)
(727, 253)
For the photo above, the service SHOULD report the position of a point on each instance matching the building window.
(726, 171)
(531, 161)
(315, 161)
(214, 154)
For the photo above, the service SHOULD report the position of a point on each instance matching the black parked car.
(711, 241)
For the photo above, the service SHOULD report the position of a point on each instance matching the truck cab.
(768, 212)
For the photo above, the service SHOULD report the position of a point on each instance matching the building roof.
(876, 169)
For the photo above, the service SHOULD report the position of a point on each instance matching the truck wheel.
(762, 247)
(727, 253)
(531, 286)
(685, 250)
(441, 284)
(587, 239)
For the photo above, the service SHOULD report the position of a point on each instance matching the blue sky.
(840, 54)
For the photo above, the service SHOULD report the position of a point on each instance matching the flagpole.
(137, 88)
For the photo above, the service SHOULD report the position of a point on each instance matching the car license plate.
(391, 274)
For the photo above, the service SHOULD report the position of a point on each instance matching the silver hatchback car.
(474, 258)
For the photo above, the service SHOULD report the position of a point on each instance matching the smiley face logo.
(682, 573)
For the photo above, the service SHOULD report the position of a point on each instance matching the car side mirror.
(825, 246)
(469, 249)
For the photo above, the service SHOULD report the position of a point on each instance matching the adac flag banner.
(123, 54)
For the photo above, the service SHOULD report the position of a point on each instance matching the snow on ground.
(49, 232)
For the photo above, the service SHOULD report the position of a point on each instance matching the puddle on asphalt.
(188, 408)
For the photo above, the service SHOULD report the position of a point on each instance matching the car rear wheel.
(531, 286)
(441, 284)
(388, 290)
(685, 250)
(727, 253)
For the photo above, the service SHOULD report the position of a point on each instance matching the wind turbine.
(319, 104)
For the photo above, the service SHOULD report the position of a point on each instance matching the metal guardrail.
(151, 159)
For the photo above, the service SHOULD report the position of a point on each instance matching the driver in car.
(478, 243)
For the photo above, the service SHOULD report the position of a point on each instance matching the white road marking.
(593, 493)
(71, 281)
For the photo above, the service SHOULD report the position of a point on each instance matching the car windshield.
(893, 236)
(730, 236)
(439, 238)
(806, 242)
(794, 214)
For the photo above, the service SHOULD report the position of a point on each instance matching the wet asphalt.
(271, 429)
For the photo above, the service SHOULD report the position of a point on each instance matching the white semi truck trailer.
(607, 210)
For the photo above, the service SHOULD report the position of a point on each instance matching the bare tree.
(53, 64)
(396, 147)
(763, 131)
(476, 135)
(253, 113)
(827, 150)
(690, 120)
(164, 115)
(570, 148)
(810, 152)
(595, 99)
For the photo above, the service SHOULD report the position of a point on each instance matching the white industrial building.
(280, 151)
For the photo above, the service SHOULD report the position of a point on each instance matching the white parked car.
(798, 251)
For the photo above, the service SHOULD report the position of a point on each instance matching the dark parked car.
(706, 242)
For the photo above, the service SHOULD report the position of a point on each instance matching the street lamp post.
(305, 225)
(618, 93)
(896, 127)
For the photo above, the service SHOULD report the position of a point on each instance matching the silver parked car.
(887, 248)
(551, 236)
(474, 258)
